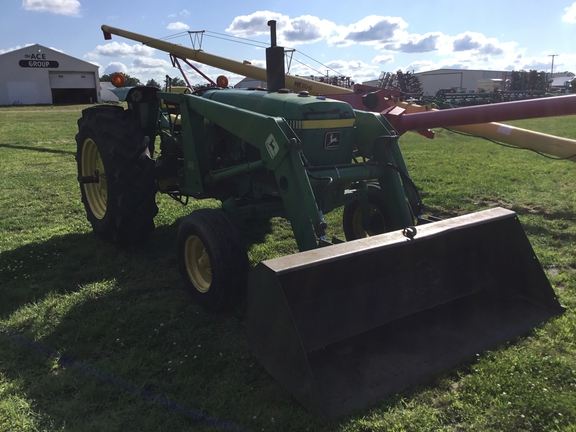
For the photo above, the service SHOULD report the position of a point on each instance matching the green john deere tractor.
(339, 324)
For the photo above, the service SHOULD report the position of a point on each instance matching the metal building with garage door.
(39, 75)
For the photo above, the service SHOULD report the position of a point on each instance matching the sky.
(356, 40)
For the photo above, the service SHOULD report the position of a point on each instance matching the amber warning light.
(118, 79)
(222, 81)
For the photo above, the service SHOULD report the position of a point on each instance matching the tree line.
(133, 81)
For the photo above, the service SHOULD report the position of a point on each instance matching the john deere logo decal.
(332, 140)
(272, 146)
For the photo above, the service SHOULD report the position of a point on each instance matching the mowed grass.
(95, 338)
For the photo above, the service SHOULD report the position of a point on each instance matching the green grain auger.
(338, 325)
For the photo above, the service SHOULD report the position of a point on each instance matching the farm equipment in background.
(340, 324)
(515, 86)
(405, 82)
(369, 98)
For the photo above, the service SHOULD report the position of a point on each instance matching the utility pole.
(551, 71)
(552, 68)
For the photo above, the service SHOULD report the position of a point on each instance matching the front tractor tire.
(115, 175)
(376, 221)
(212, 259)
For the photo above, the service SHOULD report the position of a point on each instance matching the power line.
(255, 43)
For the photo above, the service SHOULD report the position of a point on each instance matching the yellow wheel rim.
(96, 193)
(197, 263)
(377, 224)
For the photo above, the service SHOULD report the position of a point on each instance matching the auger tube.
(522, 138)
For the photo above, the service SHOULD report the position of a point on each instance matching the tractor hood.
(291, 106)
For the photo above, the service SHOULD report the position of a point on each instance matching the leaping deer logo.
(332, 140)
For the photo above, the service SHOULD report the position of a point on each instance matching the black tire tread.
(131, 205)
(228, 258)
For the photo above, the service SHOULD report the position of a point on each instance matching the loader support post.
(391, 186)
(195, 153)
(384, 150)
(411, 193)
(299, 202)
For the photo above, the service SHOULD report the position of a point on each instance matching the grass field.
(94, 338)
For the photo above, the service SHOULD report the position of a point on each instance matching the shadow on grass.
(130, 351)
(122, 362)
(560, 230)
(65, 263)
(37, 149)
(557, 214)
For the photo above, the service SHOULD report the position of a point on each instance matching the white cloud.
(256, 24)
(370, 30)
(357, 70)
(27, 45)
(115, 67)
(62, 7)
(17, 47)
(513, 60)
(290, 31)
(421, 66)
(478, 44)
(570, 14)
(414, 43)
(390, 38)
(306, 29)
(535, 63)
(385, 33)
(97, 64)
(119, 49)
(183, 13)
(178, 26)
(150, 63)
(342, 65)
(383, 59)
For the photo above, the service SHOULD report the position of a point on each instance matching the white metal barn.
(39, 75)
(434, 80)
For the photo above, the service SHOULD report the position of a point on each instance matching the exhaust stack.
(275, 74)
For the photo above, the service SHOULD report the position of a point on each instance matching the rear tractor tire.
(212, 259)
(115, 172)
(378, 219)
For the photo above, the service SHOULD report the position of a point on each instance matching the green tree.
(178, 82)
(130, 81)
(174, 82)
(152, 83)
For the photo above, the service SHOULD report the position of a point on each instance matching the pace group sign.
(37, 61)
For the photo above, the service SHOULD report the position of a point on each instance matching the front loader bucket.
(342, 326)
